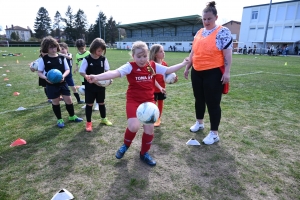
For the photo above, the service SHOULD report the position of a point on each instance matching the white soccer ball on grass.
(81, 90)
(170, 78)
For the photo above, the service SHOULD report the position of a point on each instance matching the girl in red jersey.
(141, 78)
(157, 54)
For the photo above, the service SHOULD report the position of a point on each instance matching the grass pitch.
(257, 156)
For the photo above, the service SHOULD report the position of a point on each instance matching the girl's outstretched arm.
(104, 76)
(177, 67)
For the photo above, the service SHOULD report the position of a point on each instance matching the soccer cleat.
(121, 151)
(88, 127)
(211, 138)
(75, 119)
(157, 123)
(60, 123)
(81, 102)
(83, 107)
(105, 121)
(96, 107)
(148, 159)
(196, 127)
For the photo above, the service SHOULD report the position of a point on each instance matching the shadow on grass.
(131, 182)
(16, 161)
(77, 150)
(213, 173)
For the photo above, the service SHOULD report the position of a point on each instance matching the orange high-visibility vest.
(206, 54)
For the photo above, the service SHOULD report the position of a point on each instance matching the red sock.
(160, 105)
(128, 137)
(146, 143)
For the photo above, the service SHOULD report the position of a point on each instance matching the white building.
(24, 34)
(283, 28)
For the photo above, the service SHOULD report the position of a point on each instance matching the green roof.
(173, 22)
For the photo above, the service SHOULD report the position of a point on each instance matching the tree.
(42, 24)
(69, 21)
(111, 31)
(57, 25)
(80, 24)
(14, 36)
(93, 31)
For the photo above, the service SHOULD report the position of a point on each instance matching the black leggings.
(207, 88)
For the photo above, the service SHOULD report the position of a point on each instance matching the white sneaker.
(83, 107)
(96, 107)
(196, 127)
(211, 138)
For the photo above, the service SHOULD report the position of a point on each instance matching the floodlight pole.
(99, 23)
(266, 30)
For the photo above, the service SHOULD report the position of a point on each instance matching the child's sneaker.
(157, 123)
(75, 119)
(148, 159)
(105, 121)
(81, 102)
(121, 151)
(96, 106)
(60, 123)
(211, 138)
(88, 127)
(196, 127)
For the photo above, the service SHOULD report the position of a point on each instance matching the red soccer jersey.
(160, 79)
(141, 84)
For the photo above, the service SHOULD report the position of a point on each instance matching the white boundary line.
(175, 85)
(282, 74)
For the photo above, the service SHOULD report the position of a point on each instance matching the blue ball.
(54, 76)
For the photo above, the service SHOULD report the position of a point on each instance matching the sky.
(23, 13)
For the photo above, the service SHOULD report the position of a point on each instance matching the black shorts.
(55, 90)
(90, 96)
(42, 82)
(159, 96)
(70, 81)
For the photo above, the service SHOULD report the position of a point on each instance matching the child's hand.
(176, 79)
(186, 61)
(62, 80)
(31, 69)
(48, 81)
(163, 90)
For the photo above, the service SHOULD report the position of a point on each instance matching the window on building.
(254, 14)
(287, 26)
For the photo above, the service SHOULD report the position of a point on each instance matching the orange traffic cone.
(16, 94)
(18, 142)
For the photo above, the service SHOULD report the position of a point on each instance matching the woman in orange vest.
(211, 57)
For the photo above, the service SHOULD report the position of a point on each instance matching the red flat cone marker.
(16, 93)
(18, 142)
(6, 79)
(7, 70)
